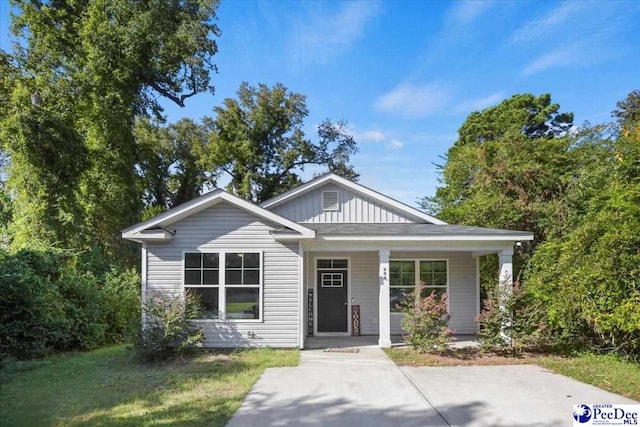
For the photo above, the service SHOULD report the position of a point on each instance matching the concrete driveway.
(367, 389)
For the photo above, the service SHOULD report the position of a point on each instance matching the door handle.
(346, 303)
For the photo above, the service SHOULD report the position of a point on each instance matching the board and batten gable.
(224, 227)
(353, 207)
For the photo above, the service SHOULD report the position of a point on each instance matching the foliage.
(108, 387)
(520, 165)
(79, 76)
(258, 140)
(509, 167)
(589, 279)
(171, 162)
(510, 319)
(426, 321)
(49, 302)
(168, 330)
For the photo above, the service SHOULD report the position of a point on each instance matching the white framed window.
(229, 284)
(329, 200)
(202, 278)
(331, 280)
(406, 277)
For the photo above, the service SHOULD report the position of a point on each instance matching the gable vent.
(330, 200)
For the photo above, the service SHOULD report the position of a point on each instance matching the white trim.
(315, 295)
(210, 199)
(417, 262)
(301, 297)
(477, 293)
(222, 286)
(143, 280)
(418, 238)
(330, 177)
(344, 246)
(151, 235)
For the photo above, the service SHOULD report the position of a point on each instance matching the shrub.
(167, 330)
(510, 319)
(54, 300)
(31, 309)
(121, 302)
(426, 321)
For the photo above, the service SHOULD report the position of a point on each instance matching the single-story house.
(329, 257)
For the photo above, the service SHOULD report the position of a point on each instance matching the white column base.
(384, 343)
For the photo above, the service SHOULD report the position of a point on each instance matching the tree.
(588, 278)
(508, 167)
(85, 71)
(171, 162)
(258, 140)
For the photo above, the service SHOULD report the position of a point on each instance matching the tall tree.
(258, 140)
(588, 277)
(508, 167)
(171, 162)
(86, 70)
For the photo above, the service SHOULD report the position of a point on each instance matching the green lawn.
(607, 372)
(107, 387)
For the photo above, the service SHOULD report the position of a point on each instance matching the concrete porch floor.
(313, 343)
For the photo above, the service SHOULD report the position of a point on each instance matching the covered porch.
(349, 286)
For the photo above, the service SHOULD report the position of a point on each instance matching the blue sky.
(405, 74)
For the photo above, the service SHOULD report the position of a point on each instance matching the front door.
(332, 301)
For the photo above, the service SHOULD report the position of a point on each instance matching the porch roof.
(403, 231)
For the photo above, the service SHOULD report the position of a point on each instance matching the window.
(433, 274)
(231, 279)
(201, 277)
(407, 275)
(402, 281)
(330, 200)
(332, 264)
(331, 280)
(242, 285)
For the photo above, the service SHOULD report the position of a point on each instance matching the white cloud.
(564, 56)
(414, 101)
(466, 12)
(480, 103)
(395, 144)
(539, 27)
(325, 37)
(369, 135)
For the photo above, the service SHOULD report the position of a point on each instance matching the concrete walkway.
(336, 389)
(339, 388)
(514, 396)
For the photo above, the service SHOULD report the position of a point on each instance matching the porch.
(351, 342)
(353, 292)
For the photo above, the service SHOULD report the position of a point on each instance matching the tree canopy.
(80, 76)
(258, 139)
(523, 165)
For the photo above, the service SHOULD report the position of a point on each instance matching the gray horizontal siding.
(226, 228)
(353, 208)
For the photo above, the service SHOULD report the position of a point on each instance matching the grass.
(604, 371)
(108, 387)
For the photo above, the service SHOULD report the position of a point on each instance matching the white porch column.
(505, 260)
(505, 257)
(384, 339)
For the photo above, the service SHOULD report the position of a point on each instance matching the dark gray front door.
(332, 301)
